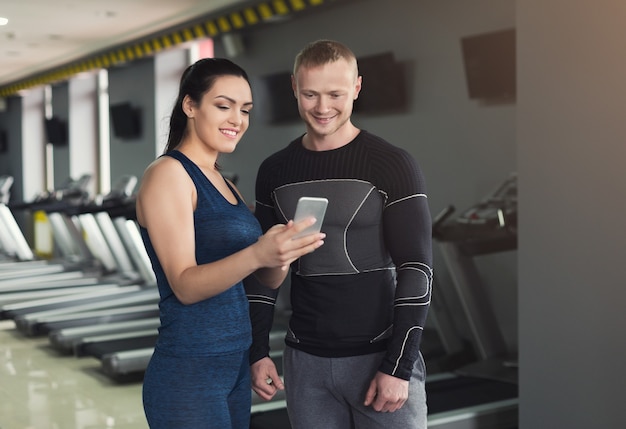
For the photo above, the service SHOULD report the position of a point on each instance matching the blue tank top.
(220, 324)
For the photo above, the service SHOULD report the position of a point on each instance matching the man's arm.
(262, 301)
(264, 375)
(408, 237)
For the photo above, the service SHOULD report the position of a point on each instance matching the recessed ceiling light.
(3, 21)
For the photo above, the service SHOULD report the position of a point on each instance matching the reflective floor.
(40, 389)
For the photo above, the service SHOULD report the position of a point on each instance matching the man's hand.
(387, 393)
(265, 379)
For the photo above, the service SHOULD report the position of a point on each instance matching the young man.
(359, 303)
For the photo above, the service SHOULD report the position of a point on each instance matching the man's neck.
(316, 142)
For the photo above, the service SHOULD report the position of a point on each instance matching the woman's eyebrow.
(231, 100)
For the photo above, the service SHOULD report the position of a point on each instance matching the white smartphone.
(307, 207)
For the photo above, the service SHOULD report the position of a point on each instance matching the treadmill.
(490, 382)
(75, 260)
(74, 263)
(110, 318)
(125, 289)
(8, 251)
(24, 277)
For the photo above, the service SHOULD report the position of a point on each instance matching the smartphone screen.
(310, 207)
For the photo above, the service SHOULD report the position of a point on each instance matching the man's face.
(326, 95)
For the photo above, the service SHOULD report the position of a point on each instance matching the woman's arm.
(165, 205)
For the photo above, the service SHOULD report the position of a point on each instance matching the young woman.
(203, 241)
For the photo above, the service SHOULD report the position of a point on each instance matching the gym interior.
(522, 177)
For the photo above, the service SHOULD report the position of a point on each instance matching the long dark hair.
(196, 80)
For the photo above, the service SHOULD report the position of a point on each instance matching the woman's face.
(223, 115)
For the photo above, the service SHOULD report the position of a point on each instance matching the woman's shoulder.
(164, 173)
(163, 165)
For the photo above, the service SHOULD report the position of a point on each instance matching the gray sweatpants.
(328, 393)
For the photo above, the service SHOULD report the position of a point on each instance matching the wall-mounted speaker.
(4, 141)
(56, 131)
(489, 61)
(126, 121)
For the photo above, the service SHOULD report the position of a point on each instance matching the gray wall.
(564, 136)
(61, 153)
(571, 151)
(11, 160)
(452, 136)
(133, 84)
(465, 148)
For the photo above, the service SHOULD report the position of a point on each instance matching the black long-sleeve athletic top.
(368, 288)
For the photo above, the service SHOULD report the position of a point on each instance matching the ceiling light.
(3, 21)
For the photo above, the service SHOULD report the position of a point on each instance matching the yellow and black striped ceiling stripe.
(212, 26)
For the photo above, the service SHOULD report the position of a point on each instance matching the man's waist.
(337, 349)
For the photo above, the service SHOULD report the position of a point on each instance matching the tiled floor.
(40, 389)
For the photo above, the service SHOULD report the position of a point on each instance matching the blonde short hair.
(322, 52)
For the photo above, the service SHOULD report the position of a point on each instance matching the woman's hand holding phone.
(314, 207)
